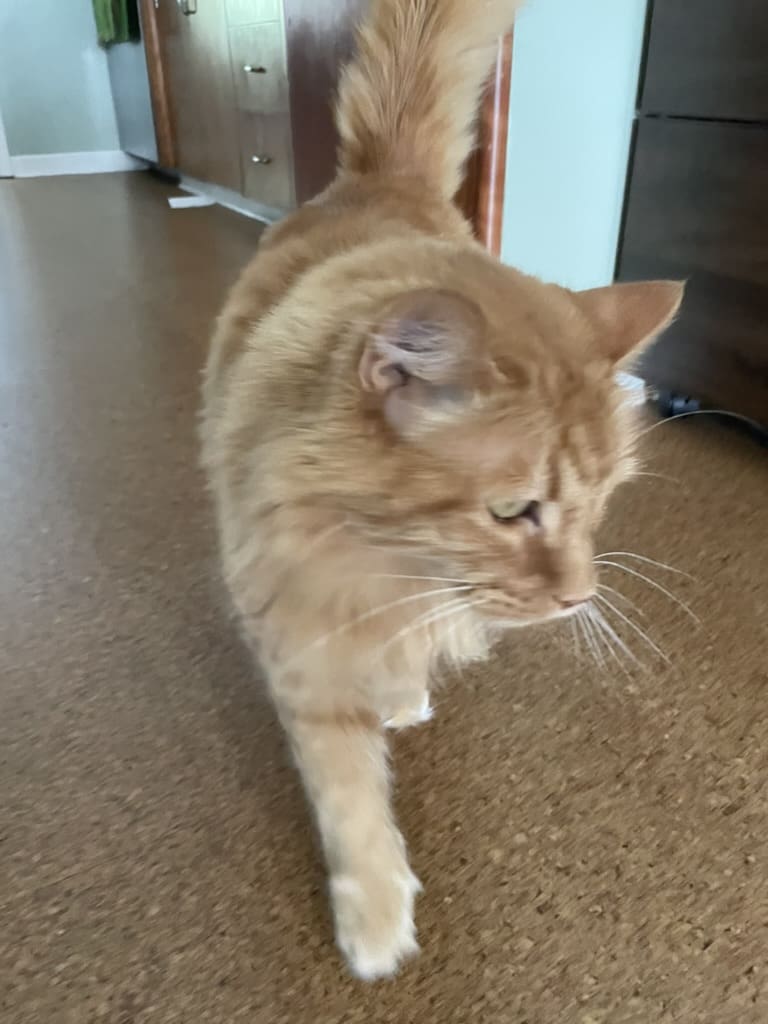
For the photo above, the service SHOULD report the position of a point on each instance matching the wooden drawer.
(697, 208)
(269, 178)
(258, 65)
(249, 12)
(708, 59)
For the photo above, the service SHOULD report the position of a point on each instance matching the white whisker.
(603, 636)
(644, 558)
(610, 634)
(427, 618)
(633, 625)
(652, 583)
(606, 636)
(582, 616)
(373, 612)
(621, 597)
(575, 636)
(471, 606)
(443, 611)
(254, 545)
(698, 412)
(398, 576)
(657, 476)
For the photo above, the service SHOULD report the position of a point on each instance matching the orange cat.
(409, 444)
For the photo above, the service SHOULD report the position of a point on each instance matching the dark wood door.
(319, 38)
(708, 58)
(698, 208)
(201, 91)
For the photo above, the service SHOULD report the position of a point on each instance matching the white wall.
(55, 95)
(574, 87)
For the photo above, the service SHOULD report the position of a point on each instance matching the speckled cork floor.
(593, 844)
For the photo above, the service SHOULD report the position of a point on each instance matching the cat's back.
(352, 214)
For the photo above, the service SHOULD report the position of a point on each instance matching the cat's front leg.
(342, 756)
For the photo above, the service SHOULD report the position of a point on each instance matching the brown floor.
(593, 845)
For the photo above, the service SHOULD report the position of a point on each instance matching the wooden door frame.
(162, 109)
(482, 195)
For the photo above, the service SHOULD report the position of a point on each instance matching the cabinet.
(249, 89)
(225, 68)
(263, 104)
(697, 206)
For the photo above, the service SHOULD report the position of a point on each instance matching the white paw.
(410, 716)
(374, 921)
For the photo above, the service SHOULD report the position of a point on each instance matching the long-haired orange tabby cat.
(409, 444)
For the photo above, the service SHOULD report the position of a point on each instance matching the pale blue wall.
(55, 94)
(574, 87)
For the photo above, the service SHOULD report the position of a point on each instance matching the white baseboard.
(97, 162)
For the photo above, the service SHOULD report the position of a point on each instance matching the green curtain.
(117, 21)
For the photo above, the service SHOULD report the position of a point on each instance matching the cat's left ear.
(421, 361)
(630, 316)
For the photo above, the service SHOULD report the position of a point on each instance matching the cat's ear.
(630, 316)
(421, 357)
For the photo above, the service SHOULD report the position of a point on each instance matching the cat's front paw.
(413, 713)
(374, 921)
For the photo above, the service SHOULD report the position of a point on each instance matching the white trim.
(6, 171)
(39, 165)
(231, 200)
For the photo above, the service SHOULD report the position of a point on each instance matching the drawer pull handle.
(261, 159)
(254, 69)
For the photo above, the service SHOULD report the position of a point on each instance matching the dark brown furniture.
(318, 35)
(697, 198)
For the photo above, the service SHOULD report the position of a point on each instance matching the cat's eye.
(510, 510)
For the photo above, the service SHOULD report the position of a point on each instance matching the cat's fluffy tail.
(409, 99)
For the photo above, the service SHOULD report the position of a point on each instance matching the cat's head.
(505, 432)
